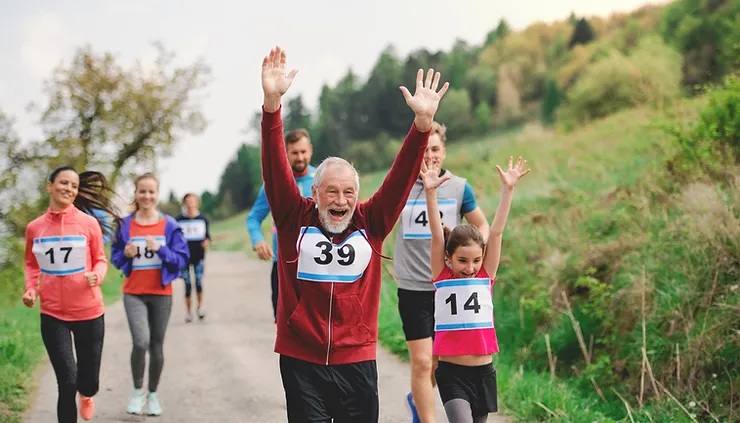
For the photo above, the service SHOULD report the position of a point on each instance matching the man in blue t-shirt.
(298, 145)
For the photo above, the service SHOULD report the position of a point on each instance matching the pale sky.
(323, 39)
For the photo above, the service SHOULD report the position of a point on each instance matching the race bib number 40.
(416, 221)
(65, 255)
(146, 258)
(194, 230)
(320, 260)
(462, 304)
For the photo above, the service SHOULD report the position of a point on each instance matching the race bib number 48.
(65, 255)
(146, 258)
(462, 304)
(416, 221)
(194, 230)
(320, 260)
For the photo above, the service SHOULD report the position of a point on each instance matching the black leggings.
(81, 376)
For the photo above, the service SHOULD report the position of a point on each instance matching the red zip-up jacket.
(332, 322)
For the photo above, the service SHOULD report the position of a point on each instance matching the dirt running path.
(222, 369)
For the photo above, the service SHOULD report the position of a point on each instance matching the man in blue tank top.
(298, 145)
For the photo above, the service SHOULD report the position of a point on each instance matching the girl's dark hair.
(93, 193)
(461, 236)
(190, 194)
(147, 175)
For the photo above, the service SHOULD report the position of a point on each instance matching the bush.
(711, 146)
(650, 75)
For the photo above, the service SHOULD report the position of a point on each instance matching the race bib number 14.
(416, 221)
(462, 304)
(146, 258)
(60, 256)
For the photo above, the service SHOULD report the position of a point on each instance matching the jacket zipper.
(331, 303)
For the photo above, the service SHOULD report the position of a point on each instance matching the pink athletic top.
(465, 341)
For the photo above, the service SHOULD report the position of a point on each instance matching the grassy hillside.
(21, 346)
(597, 210)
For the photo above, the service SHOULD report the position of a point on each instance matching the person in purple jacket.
(150, 249)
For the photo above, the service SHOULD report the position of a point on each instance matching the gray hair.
(334, 161)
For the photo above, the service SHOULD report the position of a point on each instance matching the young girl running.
(465, 337)
(65, 265)
(195, 226)
(150, 249)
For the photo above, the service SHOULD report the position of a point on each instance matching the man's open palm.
(275, 82)
(425, 100)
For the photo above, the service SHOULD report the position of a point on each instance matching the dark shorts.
(474, 384)
(315, 393)
(417, 313)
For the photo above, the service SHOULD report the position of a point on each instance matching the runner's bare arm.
(280, 188)
(384, 207)
(495, 238)
(432, 181)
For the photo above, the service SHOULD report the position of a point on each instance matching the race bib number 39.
(462, 304)
(320, 260)
(194, 230)
(146, 258)
(65, 255)
(416, 221)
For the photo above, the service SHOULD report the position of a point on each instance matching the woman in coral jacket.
(150, 248)
(65, 264)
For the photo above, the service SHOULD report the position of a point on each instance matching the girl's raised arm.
(432, 181)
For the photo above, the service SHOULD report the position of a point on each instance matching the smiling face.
(336, 196)
(191, 204)
(63, 189)
(464, 250)
(146, 194)
(466, 260)
(299, 154)
(435, 152)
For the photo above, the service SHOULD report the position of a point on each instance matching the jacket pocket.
(309, 319)
(348, 327)
(79, 296)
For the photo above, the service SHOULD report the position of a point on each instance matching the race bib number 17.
(462, 304)
(146, 258)
(416, 221)
(60, 256)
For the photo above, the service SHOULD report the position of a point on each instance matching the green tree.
(455, 112)
(119, 121)
(582, 33)
(552, 99)
(297, 116)
(483, 118)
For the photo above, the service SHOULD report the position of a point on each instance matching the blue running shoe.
(412, 409)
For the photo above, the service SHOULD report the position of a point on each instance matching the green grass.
(231, 234)
(21, 347)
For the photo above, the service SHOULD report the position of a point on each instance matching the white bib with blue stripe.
(61, 255)
(320, 260)
(415, 219)
(461, 304)
(146, 258)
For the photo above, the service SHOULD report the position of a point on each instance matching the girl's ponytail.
(94, 193)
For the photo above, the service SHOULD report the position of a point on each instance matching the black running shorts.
(315, 393)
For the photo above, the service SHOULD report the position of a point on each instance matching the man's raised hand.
(275, 82)
(425, 100)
